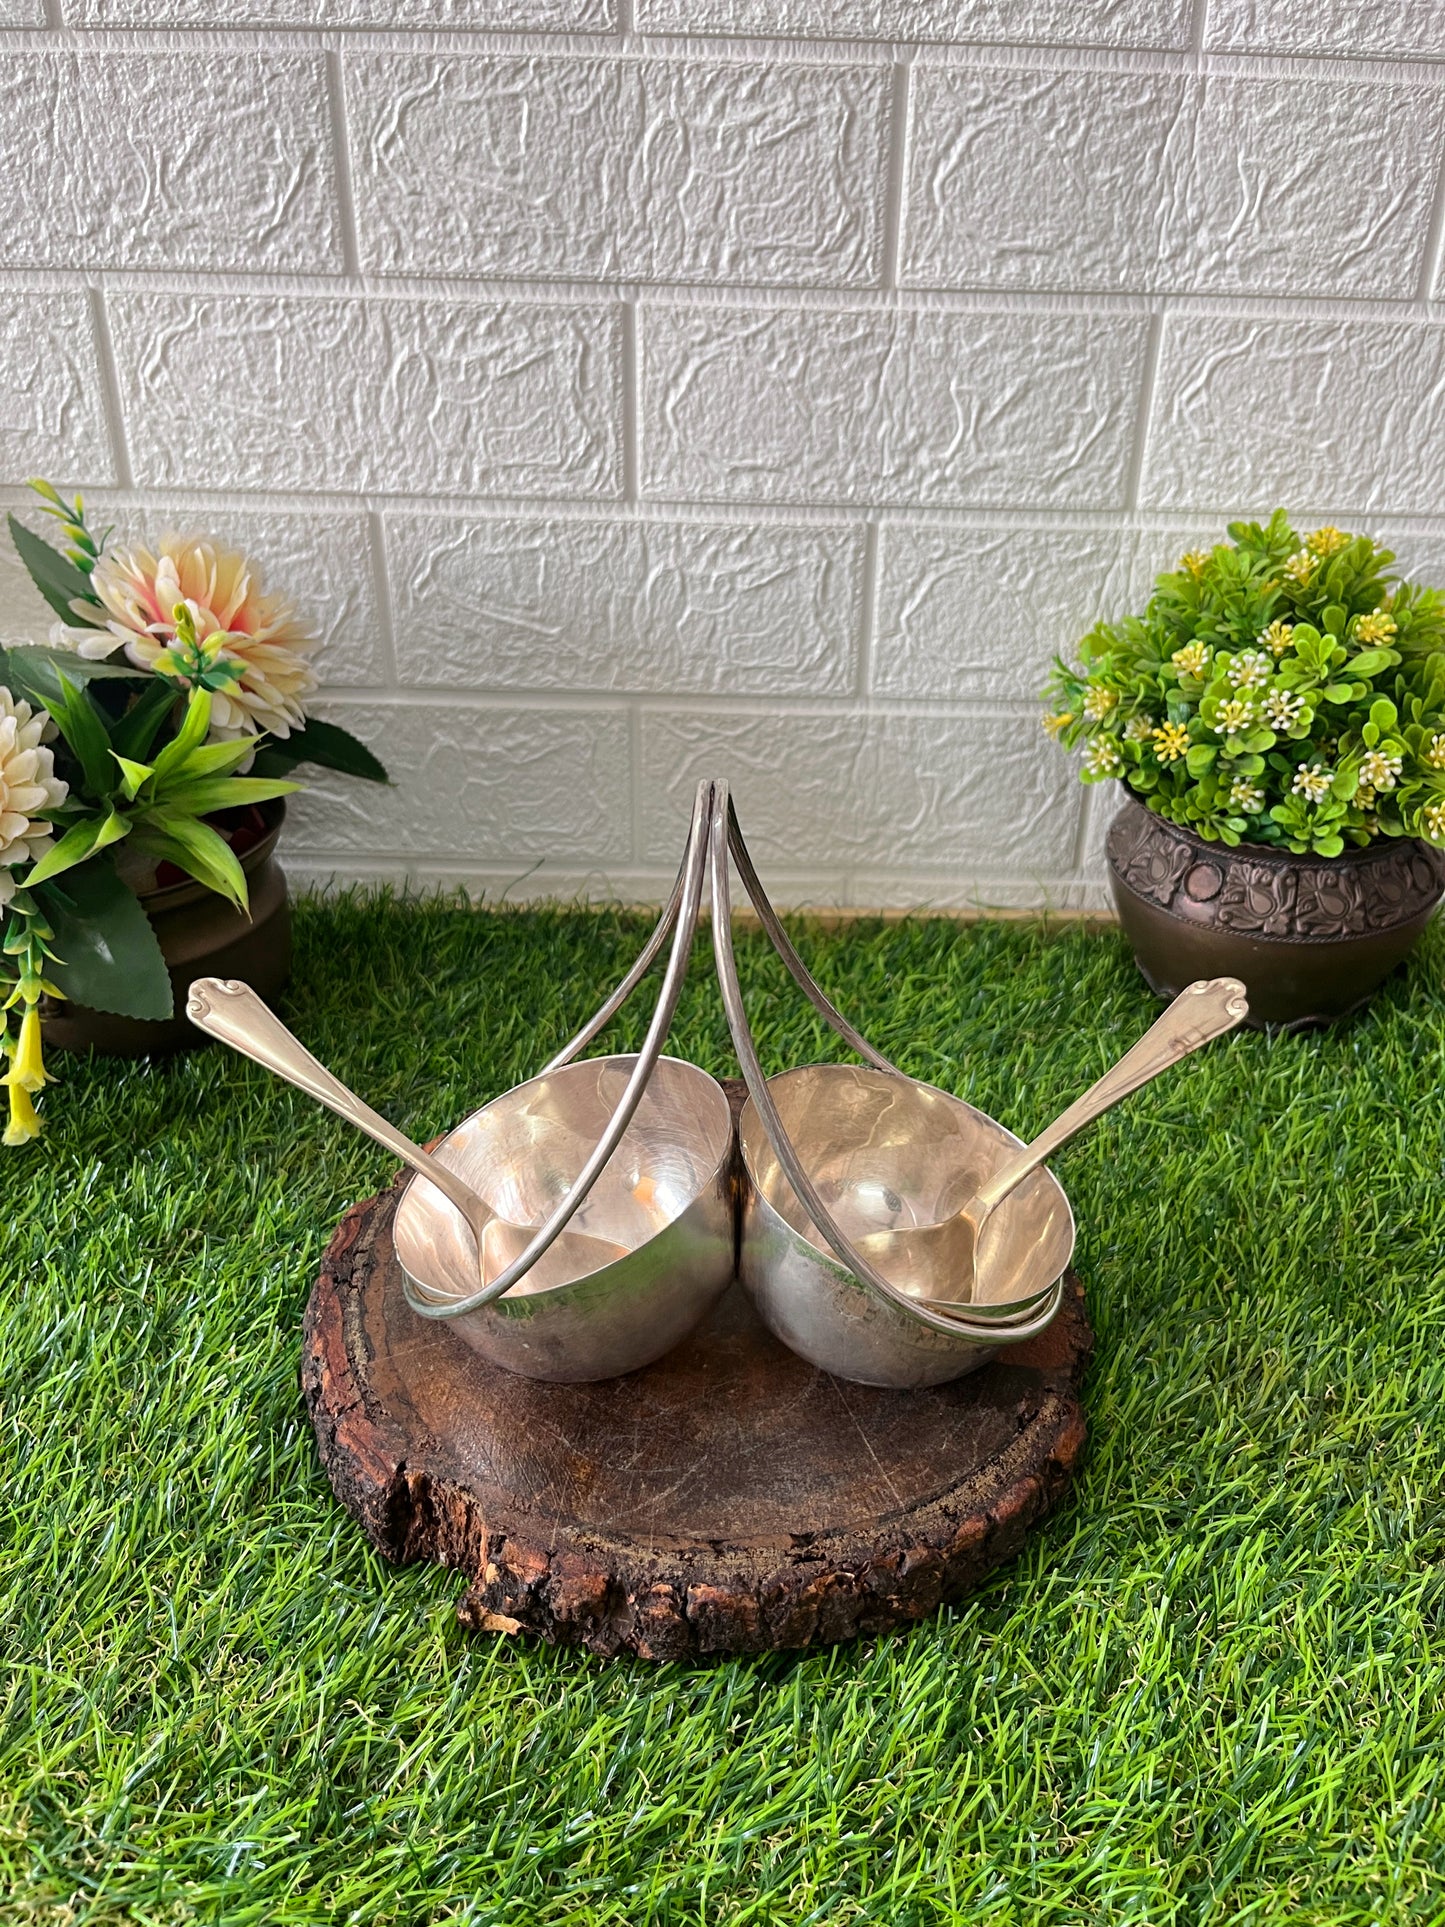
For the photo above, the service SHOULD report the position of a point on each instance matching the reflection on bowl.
(662, 1210)
(888, 1155)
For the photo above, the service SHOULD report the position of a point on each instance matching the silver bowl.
(886, 1154)
(663, 1202)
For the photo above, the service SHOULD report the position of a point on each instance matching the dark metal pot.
(200, 935)
(1313, 937)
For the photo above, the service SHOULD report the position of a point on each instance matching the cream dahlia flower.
(27, 783)
(262, 634)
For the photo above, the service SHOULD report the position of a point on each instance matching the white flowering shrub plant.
(1275, 690)
(168, 701)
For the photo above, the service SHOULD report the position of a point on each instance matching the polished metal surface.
(974, 1242)
(883, 1151)
(662, 1207)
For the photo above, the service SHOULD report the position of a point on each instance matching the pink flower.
(261, 633)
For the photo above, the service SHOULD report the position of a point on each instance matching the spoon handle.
(1200, 1013)
(232, 1011)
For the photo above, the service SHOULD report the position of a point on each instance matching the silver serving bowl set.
(581, 1225)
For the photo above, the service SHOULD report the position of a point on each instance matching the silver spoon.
(233, 1012)
(925, 1260)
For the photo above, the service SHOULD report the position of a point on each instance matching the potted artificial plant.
(144, 754)
(1276, 717)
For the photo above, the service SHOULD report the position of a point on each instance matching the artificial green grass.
(1212, 1689)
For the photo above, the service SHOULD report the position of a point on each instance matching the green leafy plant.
(168, 699)
(1274, 690)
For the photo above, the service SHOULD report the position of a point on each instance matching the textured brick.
(981, 612)
(638, 170)
(417, 396)
(555, 16)
(625, 605)
(1251, 413)
(924, 408)
(22, 13)
(1044, 179)
(1026, 178)
(1305, 186)
(1090, 23)
(966, 793)
(1398, 29)
(51, 421)
(491, 784)
(104, 172)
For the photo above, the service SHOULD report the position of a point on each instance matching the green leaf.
(1334, 619)
(108, 957)
(136, 730)
(77, 844)
(327, 746)
(79, 722)
(225, 793)
(1200, 758)
(1370, 662)
(190, 735)
(195, 848)
(34, 672)
(59, 581)
(210, 759)
(136, 776)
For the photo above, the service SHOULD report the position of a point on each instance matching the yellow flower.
(1139, 729)
(1299, 566)
(1276, 638)
(261, 633)
(1435, 754)
(1432, 821)
(1171, 740)
(1058, 723)
(1102, 758)
(26, 1068)
(1098, 703)
(1246, 796)
(1378, 627)
(1191, 660)
(1324, 542)
(1195, 562)
(24, 1123)
(1232, 716)
(1313, 784)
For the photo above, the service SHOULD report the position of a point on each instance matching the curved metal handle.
(1002, 1331)
(685, 929)
(231, 1011)
(1199, 1014)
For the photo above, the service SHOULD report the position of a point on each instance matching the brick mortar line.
(752, 301)
(183, 42)
(668, 512)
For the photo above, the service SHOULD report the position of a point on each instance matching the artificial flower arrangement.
(171, 694)
(1274, 691)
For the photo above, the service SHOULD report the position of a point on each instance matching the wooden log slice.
(729, 1498)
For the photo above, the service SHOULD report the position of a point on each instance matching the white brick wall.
(636, 388)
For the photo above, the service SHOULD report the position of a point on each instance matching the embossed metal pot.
(200, 935)
(1313, 937)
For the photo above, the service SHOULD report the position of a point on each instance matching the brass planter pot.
(1312, 937)
(200, 935)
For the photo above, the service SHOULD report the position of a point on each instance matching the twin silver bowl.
(579, 1226)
